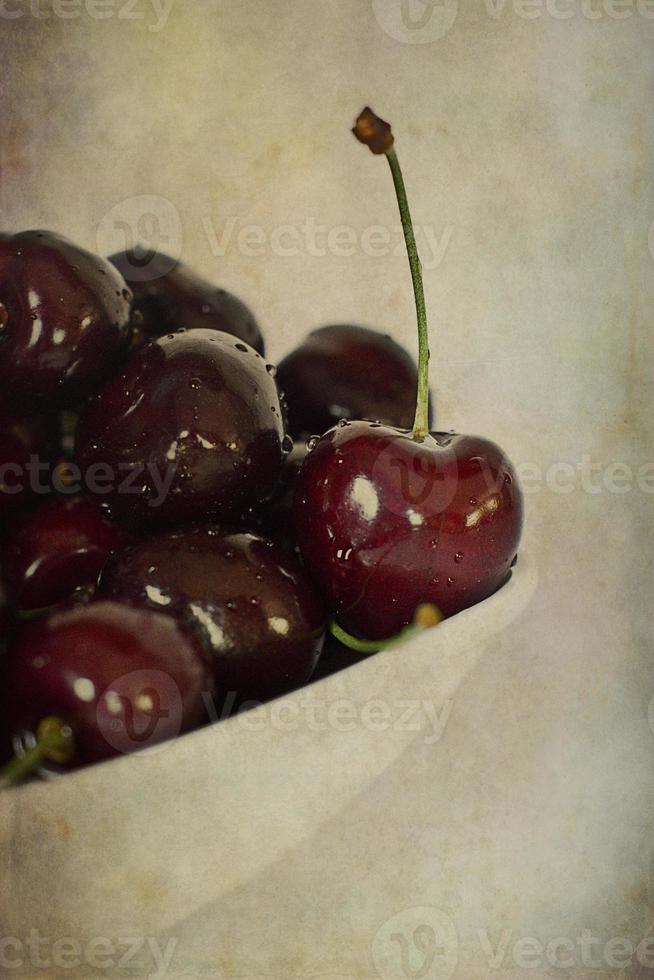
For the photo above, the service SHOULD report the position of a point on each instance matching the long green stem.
(426, 616)
(421, 422)
(54, 741)
(376, 134)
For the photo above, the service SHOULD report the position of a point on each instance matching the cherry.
(349, 372)
(273, 517)
(24, 445)
(64, 319)
(168, 295)
(190, 429)
(58, 548)
(260, 616)
(389, 518)
(385, 523)
(121, 678)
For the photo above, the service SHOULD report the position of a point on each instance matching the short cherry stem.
(426, 616)
(376, 134)
(54, 741)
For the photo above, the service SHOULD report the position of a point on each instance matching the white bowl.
(131, 846)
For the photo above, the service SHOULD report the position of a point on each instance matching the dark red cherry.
(64, 319)
(347, 372)
(169, 296)
(190, 429)
(259, 614)
(26, 450)
(122, 678)
(385, 523)
(57, 548)
(274, 516)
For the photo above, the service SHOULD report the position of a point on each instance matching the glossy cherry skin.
(274, 516)
(23, 443)
(347, 372)
(122, 678)
(385, 523)
(194, 419)
(57, 548)
(169, 296)
(64, 319)
(259, 615)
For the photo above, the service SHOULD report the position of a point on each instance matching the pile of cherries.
(182, 523)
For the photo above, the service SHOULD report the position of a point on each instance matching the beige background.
(526, 138)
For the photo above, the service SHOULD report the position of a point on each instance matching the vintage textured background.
(526, 136)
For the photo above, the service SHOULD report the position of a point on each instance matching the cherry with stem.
(376, 134)
(389, 519)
